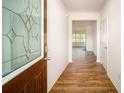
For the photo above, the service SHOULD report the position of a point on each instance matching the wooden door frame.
(45, 45)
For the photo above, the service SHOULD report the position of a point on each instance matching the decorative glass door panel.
(22, 34)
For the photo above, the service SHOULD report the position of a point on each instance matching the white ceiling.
(84, 5)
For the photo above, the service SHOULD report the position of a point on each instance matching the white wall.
(94, 28)
(112, 10)
(57, 40)
(83, 17)
(90, 36)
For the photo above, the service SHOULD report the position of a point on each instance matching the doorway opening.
(84, 39)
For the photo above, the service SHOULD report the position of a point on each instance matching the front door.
(21, 41)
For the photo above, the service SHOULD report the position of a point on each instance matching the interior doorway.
(84, 35)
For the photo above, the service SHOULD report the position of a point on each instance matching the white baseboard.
(48, 89)
(115, 84)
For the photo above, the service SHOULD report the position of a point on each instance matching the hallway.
(85, 76)
(61, 46)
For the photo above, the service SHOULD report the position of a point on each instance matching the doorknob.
(47, 58)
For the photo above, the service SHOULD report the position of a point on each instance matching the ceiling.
(84, 5)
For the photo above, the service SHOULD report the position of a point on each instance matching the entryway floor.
(84, 76)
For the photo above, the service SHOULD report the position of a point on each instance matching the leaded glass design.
(21, 33)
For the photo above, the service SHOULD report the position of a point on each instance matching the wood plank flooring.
(84, 76)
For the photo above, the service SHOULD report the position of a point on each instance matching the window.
(22, 33)
(79, 37)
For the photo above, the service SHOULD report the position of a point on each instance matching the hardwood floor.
(84, 75)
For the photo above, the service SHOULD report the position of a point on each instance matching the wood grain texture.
(85, 76)
(29, 81)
